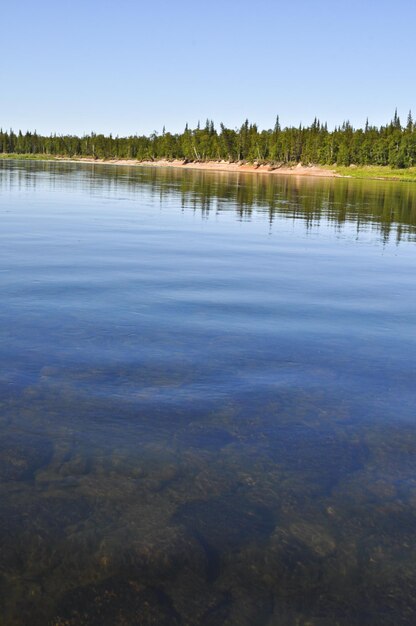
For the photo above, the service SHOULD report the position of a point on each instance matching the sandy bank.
(217, 166)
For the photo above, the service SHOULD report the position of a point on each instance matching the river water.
(207, 398)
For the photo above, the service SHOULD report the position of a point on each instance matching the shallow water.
(207, 398)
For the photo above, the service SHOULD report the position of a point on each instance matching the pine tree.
(396, 120)
(277, 128)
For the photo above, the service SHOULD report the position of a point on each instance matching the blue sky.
(131, 67)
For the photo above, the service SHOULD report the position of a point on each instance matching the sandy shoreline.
(363, 172)
(216, 166)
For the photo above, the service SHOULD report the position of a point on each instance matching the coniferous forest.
(393, 144)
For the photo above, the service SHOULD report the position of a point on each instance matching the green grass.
(26, 157)
(376, 171)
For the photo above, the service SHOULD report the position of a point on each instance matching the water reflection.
(205, 421)
(388, 207)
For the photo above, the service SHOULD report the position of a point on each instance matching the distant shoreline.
(216, 166)
(370, 172)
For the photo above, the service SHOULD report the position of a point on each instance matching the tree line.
(393, 144)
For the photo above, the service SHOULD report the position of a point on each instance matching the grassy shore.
(354, 171)
(380, 172)
(27, 157)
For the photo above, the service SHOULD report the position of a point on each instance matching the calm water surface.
(207, 399)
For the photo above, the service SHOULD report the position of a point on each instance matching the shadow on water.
(205, 446)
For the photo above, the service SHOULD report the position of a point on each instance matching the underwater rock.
(226, 522)
(21, 455)
(211, 439)
(116, 602)
(315, 537)
(323, 457)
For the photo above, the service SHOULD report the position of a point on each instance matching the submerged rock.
(116, 602)
(315, 537)
(226, 522)
(211, 439)
(21, 455)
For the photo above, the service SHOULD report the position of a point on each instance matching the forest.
(393, 144)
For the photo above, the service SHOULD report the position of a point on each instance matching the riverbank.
(224, 166)
(353, 171)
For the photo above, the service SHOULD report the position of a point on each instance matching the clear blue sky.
(127, 66)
